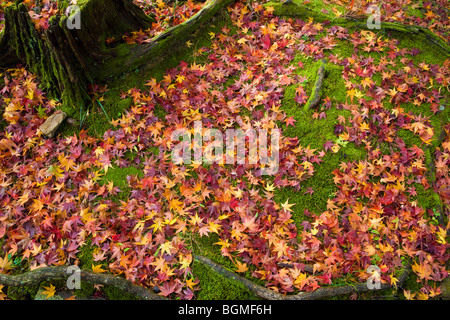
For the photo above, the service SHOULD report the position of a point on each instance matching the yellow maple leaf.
(394, 282)
(242, 40)
(214, 227)
(190, 283)
(99, 151)
(97, 269)
(364, 126)
(241, 267)
(442, 235)
(2, 295)
(161, 4)
(224, 244)
(424, 271)
(270, 187)
(49, 291)
(270, 9)
(335, 148)
(166, 246)
(5, 263)
(287, 206)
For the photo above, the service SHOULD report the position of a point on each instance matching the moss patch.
(217, 287)
(119, 177)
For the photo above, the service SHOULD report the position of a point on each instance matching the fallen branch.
(37, 276)
(321, 293)
(316, 94)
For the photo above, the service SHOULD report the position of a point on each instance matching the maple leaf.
(286, 206)
(290, 121)
(423, 270)
(241, 267)
(270, 187)
(5, 264)
(168, 288)
(281, 248)
(49, 291)
(99, 151)
(367, 82)
(190, 283)
(166, 247)
(328, 145)
(417, 126)
(97, 268)
(2, 294)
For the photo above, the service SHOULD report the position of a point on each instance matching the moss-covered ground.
(310, 132)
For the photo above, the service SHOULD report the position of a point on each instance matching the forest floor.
(362, 181)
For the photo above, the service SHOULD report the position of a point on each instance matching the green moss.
(333, 84)
(213, 285)
(415, 12)
(119, 177)
(320, 182)
(160, 112)
(299, 9)
(113, 293)
(426, 198)
(409, 138)
(314, 133)
(86, 255)
(205, 246)
(62, 5)
(136, 75)
(432, 50)
(22, 293)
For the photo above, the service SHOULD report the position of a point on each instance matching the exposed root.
(35, 277)
(321, 293)
(66, 60)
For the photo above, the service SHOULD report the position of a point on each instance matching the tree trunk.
(66, 60)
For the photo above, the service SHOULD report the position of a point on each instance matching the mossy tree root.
(67, 60)
(326, 292)
(415, 30)
(60, 56)
(294, 10)
(316, 93)
(152, 53)
(37, 276)
(432, 173)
